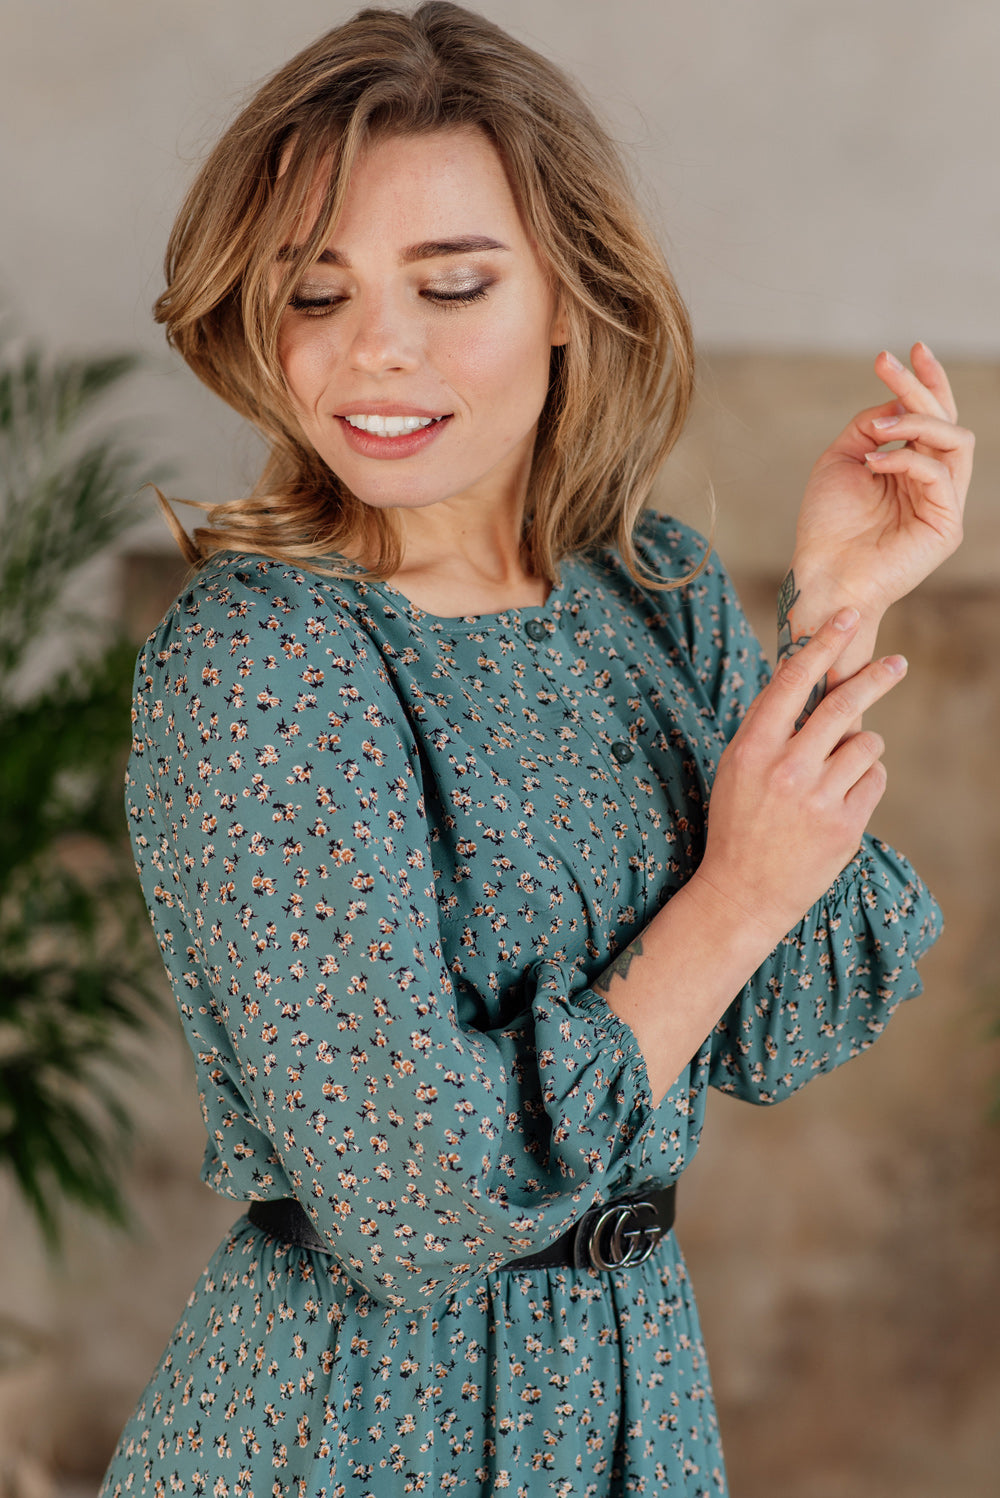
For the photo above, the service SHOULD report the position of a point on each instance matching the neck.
(482, 571)
(465, 555)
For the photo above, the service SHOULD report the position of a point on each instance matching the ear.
(559, 333)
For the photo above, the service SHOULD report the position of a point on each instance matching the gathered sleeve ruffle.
(829, 988)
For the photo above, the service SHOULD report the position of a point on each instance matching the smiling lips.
(377, 435)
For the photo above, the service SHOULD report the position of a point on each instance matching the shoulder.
(238, 598)
(668, 547)
(698, 584)
(244, 615)
(698, 613)
(261, 651)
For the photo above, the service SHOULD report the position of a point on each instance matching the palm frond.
(78, 968)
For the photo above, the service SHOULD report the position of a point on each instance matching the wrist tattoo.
(619, 966)
(788, 597)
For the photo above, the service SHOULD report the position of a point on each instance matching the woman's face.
(416, 348)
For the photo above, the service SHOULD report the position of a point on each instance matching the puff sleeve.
(827, 991)
(278, 822)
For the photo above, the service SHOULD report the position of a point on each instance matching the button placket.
(550, 695)
(586, 724)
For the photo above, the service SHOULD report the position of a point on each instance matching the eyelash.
(322, 306)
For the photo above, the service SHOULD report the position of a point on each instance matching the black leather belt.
(613, 1236)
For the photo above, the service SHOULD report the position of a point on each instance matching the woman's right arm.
(788, 812)
(279, 827)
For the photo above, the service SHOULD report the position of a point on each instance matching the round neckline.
(469, 622)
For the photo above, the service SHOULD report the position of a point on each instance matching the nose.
(383, 338)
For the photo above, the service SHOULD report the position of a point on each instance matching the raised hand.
(874, 524)
(788, 807)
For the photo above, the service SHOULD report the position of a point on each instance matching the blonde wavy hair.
(619, 389)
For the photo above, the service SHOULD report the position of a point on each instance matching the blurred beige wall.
(826, 181)
(825, 175)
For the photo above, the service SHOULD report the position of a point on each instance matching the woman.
(419, 787)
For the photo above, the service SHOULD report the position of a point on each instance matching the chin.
(405, 497)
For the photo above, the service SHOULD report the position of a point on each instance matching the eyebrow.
(428, 249)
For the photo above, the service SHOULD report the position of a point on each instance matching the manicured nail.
(885, 421)
(897, 664)
(846, 619)
(891, 359)
(928, 350)
(874, 457)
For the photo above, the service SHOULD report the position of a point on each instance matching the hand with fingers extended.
(789, 806)
(874, 524)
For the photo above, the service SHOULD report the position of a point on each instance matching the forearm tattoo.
(788, 596)
(619, 966)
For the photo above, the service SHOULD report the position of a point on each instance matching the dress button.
(622, 751)
(535, 629)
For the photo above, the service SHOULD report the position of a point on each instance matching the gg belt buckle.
(624, 1234)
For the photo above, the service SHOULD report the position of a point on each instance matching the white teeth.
(390, 426)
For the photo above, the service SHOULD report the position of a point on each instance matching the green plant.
(77, 964)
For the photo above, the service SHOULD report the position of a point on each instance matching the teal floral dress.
(385, 855)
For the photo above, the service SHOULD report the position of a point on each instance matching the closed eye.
(321, 305)
(314, 306)
(473, 294)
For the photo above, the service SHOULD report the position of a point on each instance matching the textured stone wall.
(844, 1246)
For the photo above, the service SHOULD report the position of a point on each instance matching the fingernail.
(928, 350)
(891, 359)
(846, 619)
(871, 457)
(885, 421)
(897, 664)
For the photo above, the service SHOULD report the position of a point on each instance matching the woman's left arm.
(870, 529)
(874, 524)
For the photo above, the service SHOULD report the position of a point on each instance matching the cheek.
(290, 362)
(304, 362)
(507, 360)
